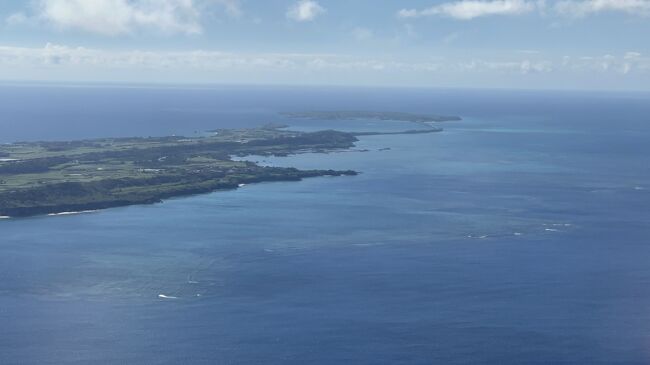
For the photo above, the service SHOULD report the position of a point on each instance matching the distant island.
(38, 178)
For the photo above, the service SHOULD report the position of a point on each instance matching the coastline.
(73, 209)
(75, 177)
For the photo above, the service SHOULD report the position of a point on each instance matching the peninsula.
(38, 178)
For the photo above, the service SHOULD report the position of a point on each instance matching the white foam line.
(163, 296)
(479, 237)
(71, 213)
(4, 217)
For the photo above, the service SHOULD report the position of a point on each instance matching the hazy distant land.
(392, 116)
(57, 177)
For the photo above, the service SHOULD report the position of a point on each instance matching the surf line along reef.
(38, 178)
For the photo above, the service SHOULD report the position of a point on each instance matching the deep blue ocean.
(520, 235)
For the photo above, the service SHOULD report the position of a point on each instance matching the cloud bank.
(54, 56)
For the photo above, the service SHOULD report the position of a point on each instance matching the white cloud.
(578, 9)
(114, 17)
(628, 63)
(470, 9)
(362, 34)
(305, 11)
(118, 17)
(523, 67)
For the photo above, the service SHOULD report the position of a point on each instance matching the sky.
(527, 44)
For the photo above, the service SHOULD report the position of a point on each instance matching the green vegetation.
(54, 177)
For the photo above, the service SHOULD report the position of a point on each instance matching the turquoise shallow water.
(520, 236)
